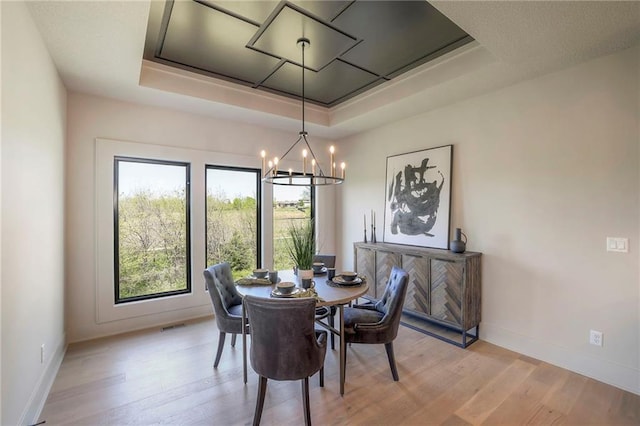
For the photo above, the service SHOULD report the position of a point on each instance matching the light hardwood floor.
(167, 377)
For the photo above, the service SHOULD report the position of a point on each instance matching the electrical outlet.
(42, 354)
(595, 337)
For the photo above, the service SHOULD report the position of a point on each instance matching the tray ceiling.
(355, 45)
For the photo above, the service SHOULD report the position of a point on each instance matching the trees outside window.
(152, 228)
(233, 212)
(291, 204)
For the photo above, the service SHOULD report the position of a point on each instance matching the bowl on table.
(260, 273)
(349, 276)
(285, 287)
(318, 266)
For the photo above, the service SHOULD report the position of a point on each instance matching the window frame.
(116, 230)
(258, 174)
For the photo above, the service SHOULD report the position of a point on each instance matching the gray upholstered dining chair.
(285, 345)
(328, 312)
(227, 304)
(378, 322)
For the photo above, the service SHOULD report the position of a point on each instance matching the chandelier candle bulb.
(263, 154)
(275, 166)
(304, 161)
(343, 166)
(313, 166)
(332, 164)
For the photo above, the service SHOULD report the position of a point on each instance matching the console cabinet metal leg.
(443, 298)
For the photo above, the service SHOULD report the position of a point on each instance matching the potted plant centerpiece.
(301, 246)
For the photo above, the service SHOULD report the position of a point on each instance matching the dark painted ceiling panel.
(399, 35)
(355, 45)
(281, 34)
(329, 86)
(209, 40)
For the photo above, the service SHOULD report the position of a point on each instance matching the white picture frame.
(418, 198)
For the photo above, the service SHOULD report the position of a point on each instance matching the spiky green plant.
(301, 244)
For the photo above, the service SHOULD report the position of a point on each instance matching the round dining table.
(329, 294)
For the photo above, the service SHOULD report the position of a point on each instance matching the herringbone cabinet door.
(385, 261)
(365, 265)
(446, 290)
(417, 298)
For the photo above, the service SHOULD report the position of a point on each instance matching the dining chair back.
(284, 344)
(378, 322)
(227, 304)
(329, 260)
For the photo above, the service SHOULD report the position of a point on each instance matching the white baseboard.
(40, 393)
(611, 373)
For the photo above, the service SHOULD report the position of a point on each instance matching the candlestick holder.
(365, 235)
(373, 239)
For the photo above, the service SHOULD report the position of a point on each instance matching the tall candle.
(331, 164)
(263, 154)
(365, 221)
(304, 161)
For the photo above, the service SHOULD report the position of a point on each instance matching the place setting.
(345, 279)
(319, 268)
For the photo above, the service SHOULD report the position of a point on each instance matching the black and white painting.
(418, 196)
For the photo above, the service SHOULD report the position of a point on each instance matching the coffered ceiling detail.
(354, 45)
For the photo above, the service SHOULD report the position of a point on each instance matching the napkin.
(310, 292)
(253, 281)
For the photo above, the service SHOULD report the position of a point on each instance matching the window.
(290, 204)
(152, 229)
(233, 218)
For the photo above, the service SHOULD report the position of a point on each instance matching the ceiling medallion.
(315, 176)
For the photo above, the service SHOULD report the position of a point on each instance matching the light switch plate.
(620, 245)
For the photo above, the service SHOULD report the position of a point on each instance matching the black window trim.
(116, 234)
(257, 173)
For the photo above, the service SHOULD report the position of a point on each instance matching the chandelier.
(313, 174)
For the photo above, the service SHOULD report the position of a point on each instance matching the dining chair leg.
(233, 340)
(262, 390)
(332, 323)
(305, 401)
(244, 344)
(220, 347)
(392, 360)
(321, 377)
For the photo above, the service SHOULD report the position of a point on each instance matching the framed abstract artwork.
(418, 198)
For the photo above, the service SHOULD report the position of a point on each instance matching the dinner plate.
(341, 281)
(276, 293)
(322, 271)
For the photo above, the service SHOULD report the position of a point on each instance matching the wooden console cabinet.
(443, 298)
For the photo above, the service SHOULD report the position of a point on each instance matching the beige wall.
(157, 133)
(543, 172)
(33, 141)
